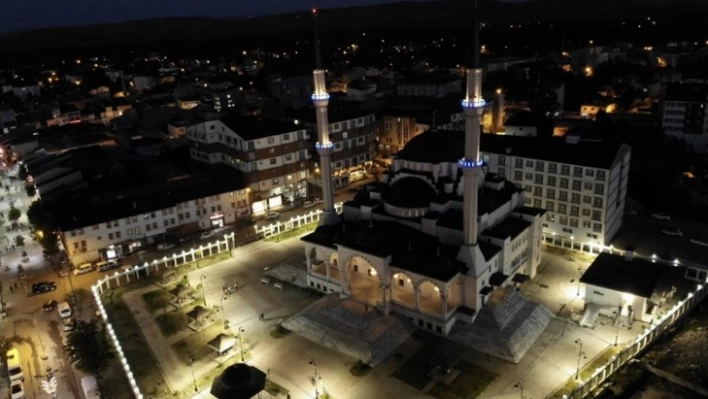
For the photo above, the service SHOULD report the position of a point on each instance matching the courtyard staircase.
(351, 328)
(506, 327)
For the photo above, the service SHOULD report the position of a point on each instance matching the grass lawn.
(414, 372)
(471, 381)
(172, 322)
(142, 364)
(586, 372)
(292, 233)
(158, 299)
(274, 389)
(195, 346)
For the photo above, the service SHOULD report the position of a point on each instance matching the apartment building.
(402, 121)
(353, 133)
(436, 85)
(684, 115)
(581, 184)
(273, 156)
(116, 224)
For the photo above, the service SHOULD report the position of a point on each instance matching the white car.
(17, 390)
(165, 246)
(272, 215)
(308, 204)
(660, 215)
(672, 232)
(207, 234)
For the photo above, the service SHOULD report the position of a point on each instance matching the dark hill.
(441, 13)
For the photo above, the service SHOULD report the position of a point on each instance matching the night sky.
(32, 14)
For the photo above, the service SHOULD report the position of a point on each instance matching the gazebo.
(222, 343)
(238, 381)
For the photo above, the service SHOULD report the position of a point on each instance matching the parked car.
(660, 215)
(108, 265)
(69, 324)
(43, 286)
(207, 234)
(49, 305)
(17, 390)
(308, 204)
(163, 246)
(272, 215)
(672, 232)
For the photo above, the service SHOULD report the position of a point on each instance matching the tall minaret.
(471, 164)
(323, 145)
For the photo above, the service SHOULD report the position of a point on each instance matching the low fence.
(278, 227)
(135, 272)
(639, 344)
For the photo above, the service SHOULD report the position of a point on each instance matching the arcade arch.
(403, 290)
(363, 281)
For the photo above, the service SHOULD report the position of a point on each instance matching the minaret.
(471, 164)
(323, 145)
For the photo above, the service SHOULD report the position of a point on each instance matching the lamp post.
(191, 367)
(617, 331)
(580, 355)
(316, 379)
(520, 385)
(202, 284)
(240, 341)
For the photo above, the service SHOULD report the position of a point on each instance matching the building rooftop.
(635, 276)
(437, 146)
(336, 112)
(509, 228)
(256, 127)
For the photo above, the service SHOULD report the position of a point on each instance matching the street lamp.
(581, 354)
(191, 367)
(316, 379)
(520, 384)
(202, 284)
(240, 341)
(617, 332)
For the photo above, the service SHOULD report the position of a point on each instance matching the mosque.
(440, 244)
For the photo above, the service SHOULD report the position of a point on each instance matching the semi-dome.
(434, 146)
(410, 192)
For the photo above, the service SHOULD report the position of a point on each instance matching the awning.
(497, 279)
(486, 290)
(520, 278)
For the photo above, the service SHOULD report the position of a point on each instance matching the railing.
(173, 261)
(640, 343)
(295, 222)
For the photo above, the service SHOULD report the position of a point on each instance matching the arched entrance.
(403, 290)
(364, 282)
(429, 298)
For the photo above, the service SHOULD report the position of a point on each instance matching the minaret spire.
(471, 165)
(318, 54)
(324, 146)
(476, 49)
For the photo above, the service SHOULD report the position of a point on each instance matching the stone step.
(328, 337)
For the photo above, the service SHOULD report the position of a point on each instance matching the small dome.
(434, 146)
(410, 192)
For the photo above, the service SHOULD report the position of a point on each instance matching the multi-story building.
(684, 115)
(353, 134)
(116, 224)
(434, 85)
(401, 122)
(227, 99)
(582, 185)
(272, 155)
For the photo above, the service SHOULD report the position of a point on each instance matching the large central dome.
(410, 192)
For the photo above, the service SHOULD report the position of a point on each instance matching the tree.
(31, 190)
(89, 348)
(22, 172)
(14, 214)
(50, 244)
(19, 241)
(40, 217)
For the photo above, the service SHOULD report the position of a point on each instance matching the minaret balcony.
(320, 96)
(324, 148)
(474, 103)
(466, 163)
